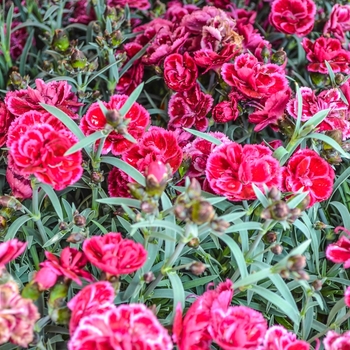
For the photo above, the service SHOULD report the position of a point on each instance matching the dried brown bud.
(279, 57)
(10, 202)
(148, 277)
(320, 225)
(76, 238)
(296, 263)
(270, 237)
(294, 214)
(194, 189)
(194, 243)
(317, 285)
(79, 220)
(277, 249)
(97, 177)
(339, 78)
(197, 268)
(3, 223)
(181, 212)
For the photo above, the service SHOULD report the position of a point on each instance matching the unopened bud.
(194, 189)
(10, 202)
(318, 225)
(284, 274)
(79, 220)
(274, 194)
(265, 54)
(219, 225)
(3, 223)
(148, 277)
(97, 177)
(197, 268)
(279, 57)
(286, 126)
(114, 39)
(180, 212)
(157, 175)
(294, 214)
(304, 203)
(76, 238)
(77, 59)
(60, 41)
(148, 207)
(194, 243)
(338, 78)
(136, 190)
(270, 237)
(317, 285)
(277, 249)
(113, 117)
(296, 263)
(202, 212)
(279, 211)
(96, 28)
(303, 275)
(63, 226)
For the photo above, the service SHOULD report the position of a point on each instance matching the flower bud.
(148, 207)
(338, 78)
(194, 243)
(278, 211)
(197, 268)
(318, 225)
(274, 194)
(77, 59)
(45, 278)
(63, 226)
(148, 277)
(97, 177)
(277, 249)
(96, 28)
(219, 225)
(79, 220)
(317, 285)
(157, 175)
(31, 291)
(303, 275)
(114, 39)
(270, 237)
(296, 263)
(284, 273)
(336, 135)
(3, 223)
(194, 189)
(136, 190)
(279, 57)
(60, 41)
(265, 54)
(304, 203)
(294, 214)
(76, 237)
(10, 202)
(202, 212)
(181, 212)
(318, 79)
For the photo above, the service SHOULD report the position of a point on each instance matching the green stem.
(36, 212)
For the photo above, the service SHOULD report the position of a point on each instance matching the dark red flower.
(124, 327)
(233, 169)
(6, 118)
(20, 186)
(273, 110)
(70, 264)
(307, 170)
(190, 108)
(117, 184)
(180, 72)
(254, 79)
(293, 16)
(131, 79)
(225, 111)
(95, 120)
(339, 22)
(326, 49)
(176, 10)
(93, 299)
(83, 12)
(115, 255)
(156, 144)
(10, 250)
(55, 93)
(135, 4)
(40, 150)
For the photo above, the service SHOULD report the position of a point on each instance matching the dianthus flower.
(10, 250)
(232, 169)
(339, 252)
(6, 118)
(335, 341)
(338, 22)
(115, 255)
(117, 183)
(94, 120)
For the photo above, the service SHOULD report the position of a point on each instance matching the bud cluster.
(295, 268)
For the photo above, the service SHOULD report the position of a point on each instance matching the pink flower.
(115, 255)
(156, 144)
(339, 22)
(327, 99)
(237, 328)
(192, 333)
(339, 252)
(226, 111)
(6, 118)
(18, 40)
(17, 316)
(136, 4)
(40, 150)
(254, 79)
(326, 49)
(293, 16)
(273, 111)
(10, 250)
(125, 327)
(83, 12)
(190, 108)
(46, 278)
(55, 93)
(278, 338)
(306, 169)
(20, 186)
(117, 184)
(180, 72)
(130, 80)
(93, 299)
(335, 341)
(176, 10)
(116, 143)
(233, 169)
(347, 297)
(70, 264)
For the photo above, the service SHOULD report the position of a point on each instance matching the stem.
(36, 212)
(337, 323)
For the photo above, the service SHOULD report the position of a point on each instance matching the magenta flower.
(10, 250)
(335, 341)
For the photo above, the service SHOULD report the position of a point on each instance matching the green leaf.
(157, 223)
(300, 110)
(127, 168)
(236, 253)
(343, 177)
(54, 199)
(103, 230)
(344, 212)
(261, 197)
(245, 226)
(201, 281)
(121, 200)
(178, 290)
(86, 142)
(8, 26)
(317, 119)
(330, 73)
(204, 136)
(335, 309)
(294, 202)
(65, 119)
(330, 142)
(102, 71)
(253, 278)
(131, 100)
(15, 226)
(280, 153)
